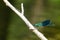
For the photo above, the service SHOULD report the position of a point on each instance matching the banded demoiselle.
(44, 23)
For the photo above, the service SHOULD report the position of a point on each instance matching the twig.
(22, 8)
(31, 27)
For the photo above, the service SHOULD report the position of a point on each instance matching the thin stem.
(22, 8)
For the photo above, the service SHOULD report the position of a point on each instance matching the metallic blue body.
(44, 23)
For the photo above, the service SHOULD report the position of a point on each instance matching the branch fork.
(21, 15)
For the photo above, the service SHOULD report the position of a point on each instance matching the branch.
(22, 8)
(31, 27)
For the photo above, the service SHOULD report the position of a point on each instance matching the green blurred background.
(13, 28)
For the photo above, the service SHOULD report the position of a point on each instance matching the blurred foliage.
(13, 28)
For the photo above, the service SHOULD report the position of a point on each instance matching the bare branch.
(39, 34)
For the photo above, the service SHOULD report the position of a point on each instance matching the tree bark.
(37, 10)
